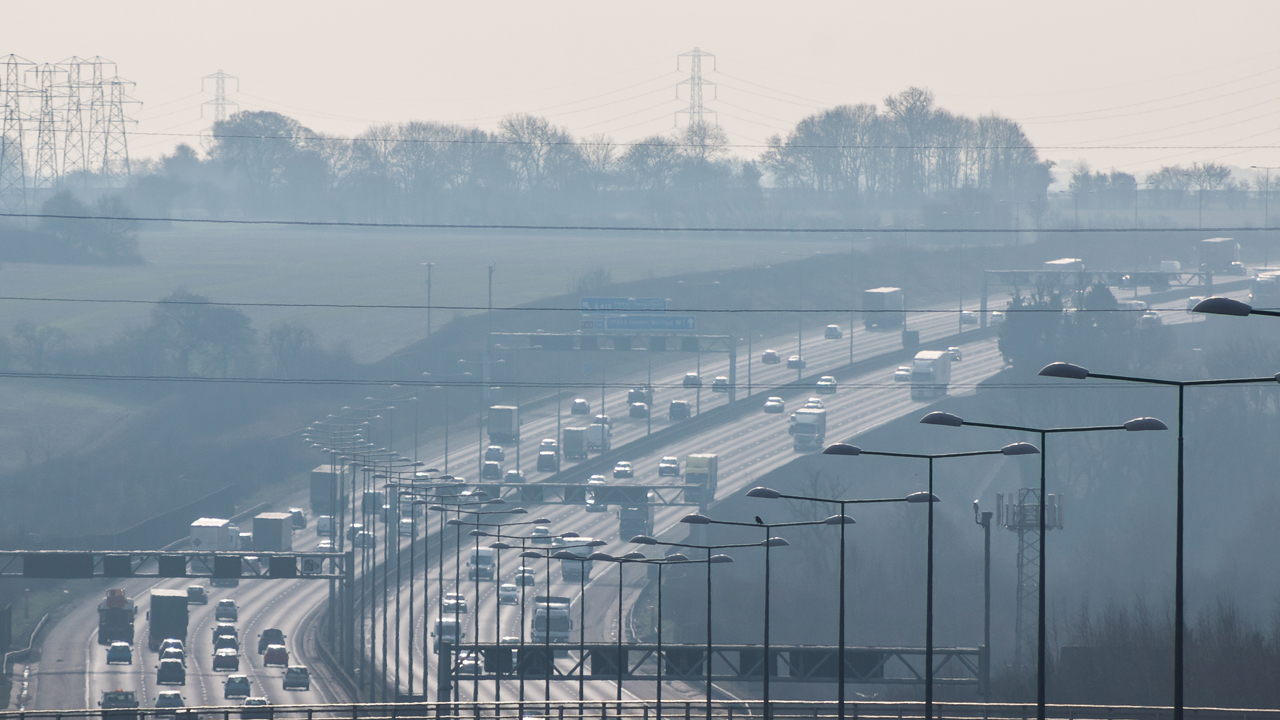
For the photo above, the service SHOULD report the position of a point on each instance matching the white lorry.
(599, 438)
(504, 424)
(930, 374)
(551, 621)
(808, 429)
(212, 535)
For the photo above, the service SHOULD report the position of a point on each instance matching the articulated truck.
(808, 429)
(701, 473)
(115, 618)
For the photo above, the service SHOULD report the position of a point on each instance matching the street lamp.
(546, 625)
(711, 560)
(1075, 372)
(1218, 305)
(769, 543)
(672, 559)
(842, 520)
(1136, 425)
(1020, 448)
(620, 560)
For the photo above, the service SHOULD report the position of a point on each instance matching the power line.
(377, 306)
(657, 228)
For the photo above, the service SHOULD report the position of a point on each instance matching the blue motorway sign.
(622, 305)
(640, 323)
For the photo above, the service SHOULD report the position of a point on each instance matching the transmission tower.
(219, 103)
(99, 70)
(44, 174)
(1023, 517)
(115, 159)
(696, 111)
(75, 156)
(13, 166)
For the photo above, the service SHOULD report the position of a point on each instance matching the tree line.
(846, 161)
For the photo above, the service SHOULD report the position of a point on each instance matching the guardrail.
(603, 710)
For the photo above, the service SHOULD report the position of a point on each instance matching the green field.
(364, 266)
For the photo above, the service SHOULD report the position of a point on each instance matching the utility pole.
(115, 160)
(13, 167)
(696, 83)
(100, 69)
(45, 173)
(75, 158)
(1023, 517)
(219, 103)
(429, 266)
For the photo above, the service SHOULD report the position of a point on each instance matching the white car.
(455, 603)
(902, 374)
(997, 318)
(623, 469)
(826, 385)
(1150, 319)
(720, 384)
(814, 403)
(833, 332)
(548, 445)
(774, 405)
(968, 318)
(508, 594)
(955, 353)
(541, 535)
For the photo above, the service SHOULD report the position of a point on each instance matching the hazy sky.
(1078, 74)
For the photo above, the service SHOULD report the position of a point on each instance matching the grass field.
(365, 266)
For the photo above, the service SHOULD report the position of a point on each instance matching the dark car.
(256, 708)
(275, 655)
(226, 659)
(171, 672)
(548, 461)
(580, 407)
(640, 395)
(226, 611)
(297, 677)
(796, 362)
(679, 410)
(197, 595)
(692, 380)
(270, 636)
(495, 453)
(491, 470)
(770, 357)
(639, 410)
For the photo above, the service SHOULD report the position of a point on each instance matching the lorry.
(371, 502)
(273, 532)
(115, 618)
(551, 621)
(883, 307)
(1264, 292)
(701, 474)
(1221, 255)
(212, 535)
(449, 631)
(480, 565)
(504, 424)
(599, 437)
(573, 442)
(575, 570)
(808, 429)
(167, 617)
(634, 520)
(930, 374)
(325, 489)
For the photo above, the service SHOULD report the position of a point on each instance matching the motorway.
(72, 672)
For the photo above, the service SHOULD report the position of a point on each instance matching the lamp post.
(1228, 306)
(710, 560)
(850, 450)
(1136, 425)
(672, 559)
(620, 561)
(546, 626)
(1075, 372)
(842, 519)
(769, 543)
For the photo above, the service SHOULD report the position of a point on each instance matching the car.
(509, 640)
(774, 406)
(997, 318)
(580, 407)
(226, 611)
(549, 445)
(119, 653)
(692, 380)
(954, 352)
(596, 480)
(679, 410)
(226, 641)
(638, 410)
(226, 659)
(603, 420)
(225, 628)
(405, 527)
(902, 374)
(298, 517)
(669, 466)
(525, 577)
(548, 461)
(297, 677)
(495, 453)
(174, 654)
(640, 394)
(814, 403)
(364, 539)
(770, 357)
(833, 332)
(169, 699)
(256, 708)
(826, 385)
(172, 643)
(270, 636)
(197, 595)
(325, 545)
(455, 603)
(720, 384)
(513, 476)
(491, 470)
(968, 318)
(1193, 301)
(508, 593)
(1149, 319)
(623, 469)
(468, 663)
(541, 535)
(796, 362)
(171, 672)
(235, 686)
(275, 655)
(119, 705)
(353, 530)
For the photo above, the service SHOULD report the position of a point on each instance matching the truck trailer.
(573, 443)
(701, 474)
(883, 307)
(273, 532)
(635, 520)
(930, 374)
(808, 429)
(504, 424)
(599, 438)
(167, 617)
(212, 535)
(325, 489)
(116, 613)
(551, 621)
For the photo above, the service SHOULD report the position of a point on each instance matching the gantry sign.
(546, 493)
(71, 564)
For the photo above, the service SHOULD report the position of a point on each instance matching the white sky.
(1079, 74)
